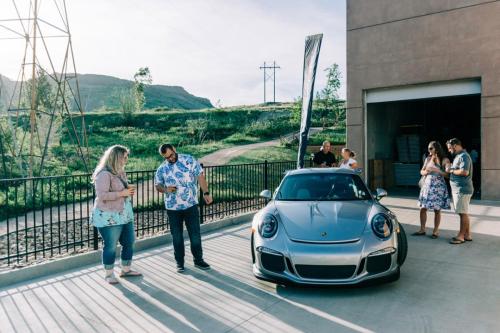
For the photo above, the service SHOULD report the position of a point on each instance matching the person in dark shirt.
(325, 158)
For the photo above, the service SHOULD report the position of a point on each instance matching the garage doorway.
(398, 132)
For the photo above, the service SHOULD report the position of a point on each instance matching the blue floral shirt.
(184, 175)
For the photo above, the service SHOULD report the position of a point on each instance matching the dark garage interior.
(398, 134)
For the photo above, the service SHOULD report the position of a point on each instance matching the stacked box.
(408, 148)
(406, 174)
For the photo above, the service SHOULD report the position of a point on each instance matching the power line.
(269, 76)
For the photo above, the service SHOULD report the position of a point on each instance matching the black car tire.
(252, 249)
(402, 245)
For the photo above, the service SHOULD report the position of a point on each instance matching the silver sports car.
(323, 226)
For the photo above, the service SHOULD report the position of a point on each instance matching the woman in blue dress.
(433, 192)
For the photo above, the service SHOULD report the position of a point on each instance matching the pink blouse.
(108, 187)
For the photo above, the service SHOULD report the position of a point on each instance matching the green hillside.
(198, 132)
(100, 92)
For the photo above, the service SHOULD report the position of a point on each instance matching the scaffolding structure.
(45, 93)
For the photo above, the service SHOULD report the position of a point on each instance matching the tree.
(328, 98)
(198, 130)
(127, 102)
(218, 104)
(132, 99)
(141, 78)
(44, 95)
(297, 110)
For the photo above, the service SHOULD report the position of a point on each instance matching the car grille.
(378, 264)
(273, 262)
(325, 272)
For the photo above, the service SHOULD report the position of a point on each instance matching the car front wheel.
(402, 245)
(252, 249)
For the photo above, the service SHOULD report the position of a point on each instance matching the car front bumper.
(325, 264)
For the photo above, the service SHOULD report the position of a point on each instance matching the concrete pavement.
(484, 215)
(443, 288)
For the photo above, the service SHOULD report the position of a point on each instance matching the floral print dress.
(112, 215)
(434, 193)
(100, 218)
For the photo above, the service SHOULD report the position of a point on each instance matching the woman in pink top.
(112, 214)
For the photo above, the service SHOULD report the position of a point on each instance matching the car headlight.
(268, 226)
(382, 226)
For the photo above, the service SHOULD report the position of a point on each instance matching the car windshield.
(323, 187)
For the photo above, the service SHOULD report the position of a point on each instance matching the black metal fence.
(46, 217)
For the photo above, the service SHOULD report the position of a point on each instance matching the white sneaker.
(111, 279)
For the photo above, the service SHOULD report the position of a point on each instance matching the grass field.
(199, 133)
(288, 152)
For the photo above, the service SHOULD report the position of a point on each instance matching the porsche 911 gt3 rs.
(323, 226)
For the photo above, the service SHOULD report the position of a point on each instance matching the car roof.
(307, 171)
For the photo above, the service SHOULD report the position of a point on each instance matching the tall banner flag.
(311, 55)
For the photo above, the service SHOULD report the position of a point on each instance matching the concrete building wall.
(401, 42)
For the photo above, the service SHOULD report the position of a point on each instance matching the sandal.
(456, 241)
(434, 236)
(418, 233)
(130, 273)
(468, 239)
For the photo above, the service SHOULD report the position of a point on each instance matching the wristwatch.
(206, 193)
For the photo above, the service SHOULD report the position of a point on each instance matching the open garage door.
(401, 122)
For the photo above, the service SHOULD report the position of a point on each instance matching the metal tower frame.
(33, 30)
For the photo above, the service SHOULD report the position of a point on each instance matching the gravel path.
(223, 156)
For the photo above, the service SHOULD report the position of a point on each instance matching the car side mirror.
(266, 194)
(380, 193)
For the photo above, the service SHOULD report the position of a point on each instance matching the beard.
(175, 159)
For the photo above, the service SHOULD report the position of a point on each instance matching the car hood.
(324, 221)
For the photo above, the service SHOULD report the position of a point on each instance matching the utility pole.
(267, 77)
(264, 67)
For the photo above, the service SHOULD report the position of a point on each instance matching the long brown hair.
(111, 160)
(439, 150)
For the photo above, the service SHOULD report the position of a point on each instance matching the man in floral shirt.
(178, 177)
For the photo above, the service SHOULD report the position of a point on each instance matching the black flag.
(311, 55)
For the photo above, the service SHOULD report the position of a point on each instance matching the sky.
(212, 48)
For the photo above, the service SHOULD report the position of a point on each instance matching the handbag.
(421, 182)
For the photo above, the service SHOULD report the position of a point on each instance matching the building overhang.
(423, 91)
